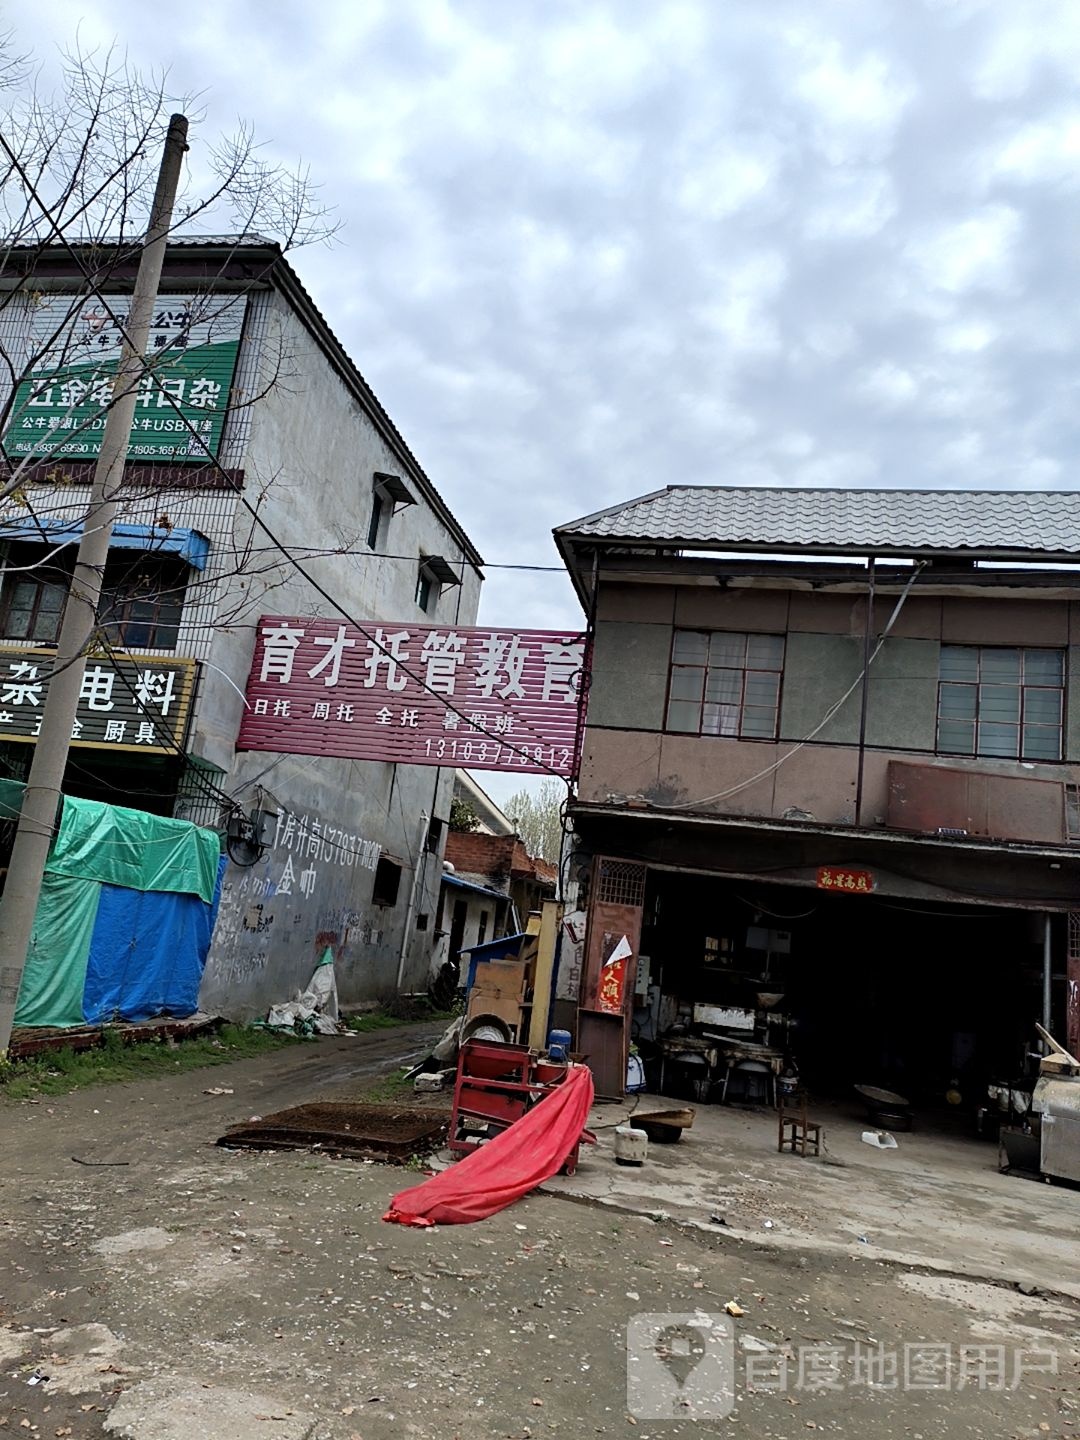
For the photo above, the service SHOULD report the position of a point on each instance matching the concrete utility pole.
(42, 798)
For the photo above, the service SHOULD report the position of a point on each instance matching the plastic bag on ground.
(318, 1003)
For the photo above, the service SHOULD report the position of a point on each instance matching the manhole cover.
(343, 1127)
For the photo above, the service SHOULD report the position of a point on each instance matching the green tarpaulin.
(52, 984)
(103, 845)
(135, 850)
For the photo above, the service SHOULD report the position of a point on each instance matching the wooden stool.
(797, 1133)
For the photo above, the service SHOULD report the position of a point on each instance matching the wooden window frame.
(744, 672)
(168, 588)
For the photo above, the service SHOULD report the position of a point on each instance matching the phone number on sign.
(89, 448)
(490, 752)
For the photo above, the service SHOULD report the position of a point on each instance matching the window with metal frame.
(142, 596)
(620, 882)
(725, 683)
(1000, 701)
(389, 492)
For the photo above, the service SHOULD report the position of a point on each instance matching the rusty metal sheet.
(981, 803)
(344, 1127)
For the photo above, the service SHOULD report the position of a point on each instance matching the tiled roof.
(102, 242)
(1011, 523)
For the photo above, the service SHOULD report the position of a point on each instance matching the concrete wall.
(309, 463)
(627, 752)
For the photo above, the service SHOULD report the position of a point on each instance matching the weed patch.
(57, 1072)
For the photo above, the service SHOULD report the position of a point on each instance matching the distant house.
(490, 820)
(491, 884)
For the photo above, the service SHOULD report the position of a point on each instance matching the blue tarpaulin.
(147, 953)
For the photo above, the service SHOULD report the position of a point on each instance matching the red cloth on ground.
(526, 1154)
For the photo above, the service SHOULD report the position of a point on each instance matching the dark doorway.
(457, 928)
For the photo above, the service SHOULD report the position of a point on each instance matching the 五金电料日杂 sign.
(71, 355)
(482, 699)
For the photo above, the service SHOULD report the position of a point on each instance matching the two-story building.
(264, 477)
(830, 786)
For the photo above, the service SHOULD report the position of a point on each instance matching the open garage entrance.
(746, 985)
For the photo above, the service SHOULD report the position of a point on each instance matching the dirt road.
(261, 1295)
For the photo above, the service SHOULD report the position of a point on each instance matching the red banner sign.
(852, 882)
(416, 694)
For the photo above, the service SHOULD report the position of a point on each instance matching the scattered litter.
(632, 1295)
(718, 1219)
(862, 1240)
(313, 1012)
(768, 1224)
(219, 1090)
(667, 1242)
(734, 1308)
(881, 1139)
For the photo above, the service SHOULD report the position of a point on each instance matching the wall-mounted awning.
(188, 544)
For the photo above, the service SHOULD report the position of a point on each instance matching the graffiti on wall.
(302, 849)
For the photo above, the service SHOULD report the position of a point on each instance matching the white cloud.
(888, 385)
(967, 336)
(852, 204)
(855, 103)
(1042, 151)
(726, 180)
(979, 252)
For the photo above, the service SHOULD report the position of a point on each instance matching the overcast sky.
(591, 248)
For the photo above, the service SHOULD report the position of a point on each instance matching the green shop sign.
(73, 351)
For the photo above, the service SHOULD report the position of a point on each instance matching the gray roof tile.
(897, 522)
